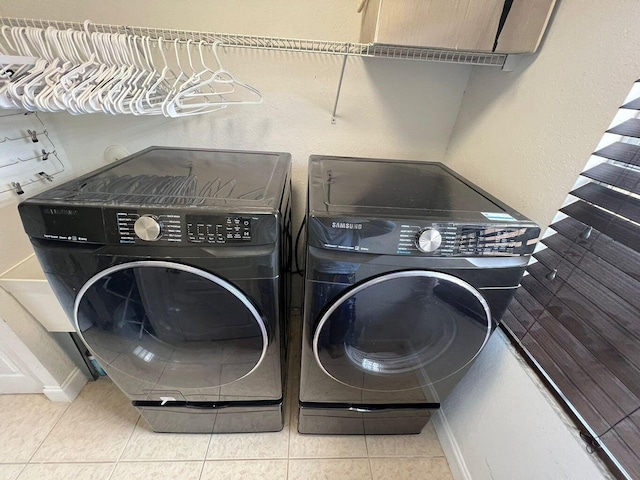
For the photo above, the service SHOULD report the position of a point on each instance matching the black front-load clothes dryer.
(171, 265)
(409, 268)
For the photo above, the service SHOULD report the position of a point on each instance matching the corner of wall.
(69, 389)
(452, 451)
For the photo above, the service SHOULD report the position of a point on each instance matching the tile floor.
(100, 436)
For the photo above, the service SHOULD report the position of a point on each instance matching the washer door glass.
(169, 326)
(402, 330)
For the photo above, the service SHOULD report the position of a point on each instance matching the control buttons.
(147, 228)
(428, 240)
(217, 230)
(238, 228)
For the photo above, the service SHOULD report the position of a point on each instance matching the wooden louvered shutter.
(577, 315)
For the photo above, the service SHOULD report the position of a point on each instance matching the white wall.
(327, 20)
(525, 136)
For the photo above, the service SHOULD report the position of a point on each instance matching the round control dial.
(148, 228)
(428, 240)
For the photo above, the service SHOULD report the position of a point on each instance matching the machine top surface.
(409, 208)
(169, 196)
(179, 177)
(398, 189)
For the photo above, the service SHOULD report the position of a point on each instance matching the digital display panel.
(72, 224)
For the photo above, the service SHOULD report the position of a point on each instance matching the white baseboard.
(450, 447)
(69, 389)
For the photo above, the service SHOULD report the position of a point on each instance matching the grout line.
(55, 424)
(126, 444)
(113, 471)
(129, 438)
(24, 466)
(206, 454)
(366, 446)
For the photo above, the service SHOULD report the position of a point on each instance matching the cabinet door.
(524, 26)
(474, 25)
(16, 365)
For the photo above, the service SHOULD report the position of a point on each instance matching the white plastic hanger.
(206, 96)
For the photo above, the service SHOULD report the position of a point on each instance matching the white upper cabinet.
(500, 26)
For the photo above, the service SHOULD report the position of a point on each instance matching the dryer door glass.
(161, 326)
(402, 330)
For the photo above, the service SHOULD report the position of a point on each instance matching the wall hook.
(17, 187)
(34, 135)
(552, 274)
(46, 176)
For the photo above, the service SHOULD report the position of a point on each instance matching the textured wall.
(525, 135)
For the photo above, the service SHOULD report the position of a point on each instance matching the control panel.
(437, 239)
(134, 226)
(466, 240)
(141, 227)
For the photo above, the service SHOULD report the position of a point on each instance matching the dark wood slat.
(585, 387)
(540, 272)
(613, 279)
(536, 289)
(629, 431)
(632, 105)
(543, 288)
(614, 306)
(614, 292)
(600, 342)
(571, 302)
(564, 247)
(529, 303)
(551, 260)
(624, 398)
(621, 152)
(564, 384)
(620, 177)
(620, 256)
(628, 458)
(572, 228)
(620, 230)
(597, 266)
(516, 328)
(521, 313)
(628, 128)
(590, 314)
(624, 205)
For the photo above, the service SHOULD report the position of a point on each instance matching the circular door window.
(402, 330)
(169, 326)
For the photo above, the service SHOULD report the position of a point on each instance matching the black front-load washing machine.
(171, 265)
(409, 268)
